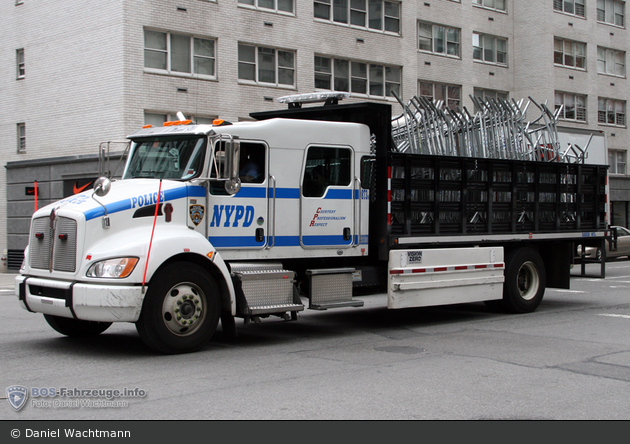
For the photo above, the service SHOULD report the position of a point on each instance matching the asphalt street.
(569, 360)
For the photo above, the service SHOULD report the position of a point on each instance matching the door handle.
(347, 234)
(260, 234)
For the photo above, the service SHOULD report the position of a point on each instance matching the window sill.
(485, 8)
(267, 10)
(498, 65)
(438, 54)
(612, 125)
(266, 85)
(611, 24)
(614, 76)
(572, 68)
(577, 122)
(358, 28)
(160, 72)
(568, 14)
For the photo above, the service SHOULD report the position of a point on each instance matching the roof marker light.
(177, 122)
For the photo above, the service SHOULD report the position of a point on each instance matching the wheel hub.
(528, 281)
(183, 309)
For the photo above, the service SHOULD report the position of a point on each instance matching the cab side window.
(252, 163)
(326, 166)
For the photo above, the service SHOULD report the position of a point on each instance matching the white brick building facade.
(75, 74)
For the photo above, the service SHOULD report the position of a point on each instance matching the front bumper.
(79, 300)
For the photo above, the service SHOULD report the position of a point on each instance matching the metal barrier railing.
(498, 129)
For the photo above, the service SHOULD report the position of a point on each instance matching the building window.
(574, 7)
(617, 161)
(266, 65)
(569, 54)
(179, 54)
(611, 112)
(21, 138)
(378, 15)
(611, 12)
(274, 5)
(611, 62)
(449, 95)
(499, 5)
(19, 60)
(489, 49)
(357, 77)
(489, 94)
(573, 106)
(438, 39)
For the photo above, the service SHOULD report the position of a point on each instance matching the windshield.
(178, 158)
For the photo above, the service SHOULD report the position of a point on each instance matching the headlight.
(113, 268)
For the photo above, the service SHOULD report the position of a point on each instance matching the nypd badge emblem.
(196, 213)
(17, 396)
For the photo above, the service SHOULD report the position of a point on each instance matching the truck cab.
(198, 229)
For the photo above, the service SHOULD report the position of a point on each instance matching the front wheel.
(525, 281)
(76, 328)
(181, 309)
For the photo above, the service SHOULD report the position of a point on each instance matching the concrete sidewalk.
(7, 280)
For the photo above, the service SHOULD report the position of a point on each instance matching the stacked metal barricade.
(498, 129)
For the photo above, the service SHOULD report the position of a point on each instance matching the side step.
(331, 288)
(266, 289)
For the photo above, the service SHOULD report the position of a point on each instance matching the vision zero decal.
(321, 217)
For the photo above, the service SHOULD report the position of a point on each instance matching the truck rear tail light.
(63, 236)
(39, 235)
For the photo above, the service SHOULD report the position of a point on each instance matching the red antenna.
(35, 195)
(157, 207)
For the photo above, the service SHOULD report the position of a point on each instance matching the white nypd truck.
(257, 219)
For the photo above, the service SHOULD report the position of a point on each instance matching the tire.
(76, 328)
(181, 309)
(525, 281)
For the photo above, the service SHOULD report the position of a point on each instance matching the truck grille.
(57, 243)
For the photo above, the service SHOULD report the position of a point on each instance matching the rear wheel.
(181, 309)
(525, 281)
(76, 328)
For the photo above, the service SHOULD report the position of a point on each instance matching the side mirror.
(226, 163)
(232, 186)
(102, 185)
(233, 158)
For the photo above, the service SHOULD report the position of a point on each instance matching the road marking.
(615, 315)
(568, 291)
